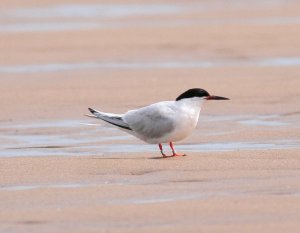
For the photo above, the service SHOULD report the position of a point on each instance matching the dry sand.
(243, 169)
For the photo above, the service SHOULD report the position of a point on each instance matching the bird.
(161, 122)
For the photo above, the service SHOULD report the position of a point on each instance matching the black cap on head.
(194, 92)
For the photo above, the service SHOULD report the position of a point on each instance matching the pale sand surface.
(243, 192)
(242, 171)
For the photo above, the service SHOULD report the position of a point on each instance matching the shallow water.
(136, 65)
(83, 25)
(99, 16)
(76, 138)
(207, 147)
(95, 10)
(109, 10)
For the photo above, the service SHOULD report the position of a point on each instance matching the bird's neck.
(192, 105)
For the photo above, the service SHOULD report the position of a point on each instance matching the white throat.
(194, 103)
(191, 108)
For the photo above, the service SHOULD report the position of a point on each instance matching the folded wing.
(151, 121)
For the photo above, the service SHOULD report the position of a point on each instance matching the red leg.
(162, 151)
(174, 151)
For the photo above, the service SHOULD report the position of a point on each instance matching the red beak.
(213, 97)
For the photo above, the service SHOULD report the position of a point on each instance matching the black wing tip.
(92, 110)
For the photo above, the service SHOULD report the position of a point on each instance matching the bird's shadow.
(116, 158)
(136, 158)
(168, 157)
(157, 157)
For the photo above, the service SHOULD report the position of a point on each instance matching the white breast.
(186, 119)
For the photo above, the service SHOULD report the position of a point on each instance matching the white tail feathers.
(113, 119)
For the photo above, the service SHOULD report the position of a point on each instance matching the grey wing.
(150, 122)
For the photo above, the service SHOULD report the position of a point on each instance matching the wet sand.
(59, 174)
(244, 192)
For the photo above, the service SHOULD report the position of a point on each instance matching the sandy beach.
(63, 172)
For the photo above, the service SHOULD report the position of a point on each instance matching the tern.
(162, 122)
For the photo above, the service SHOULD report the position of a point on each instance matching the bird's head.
(200, 94)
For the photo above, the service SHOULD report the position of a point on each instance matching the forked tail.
(110, 118)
